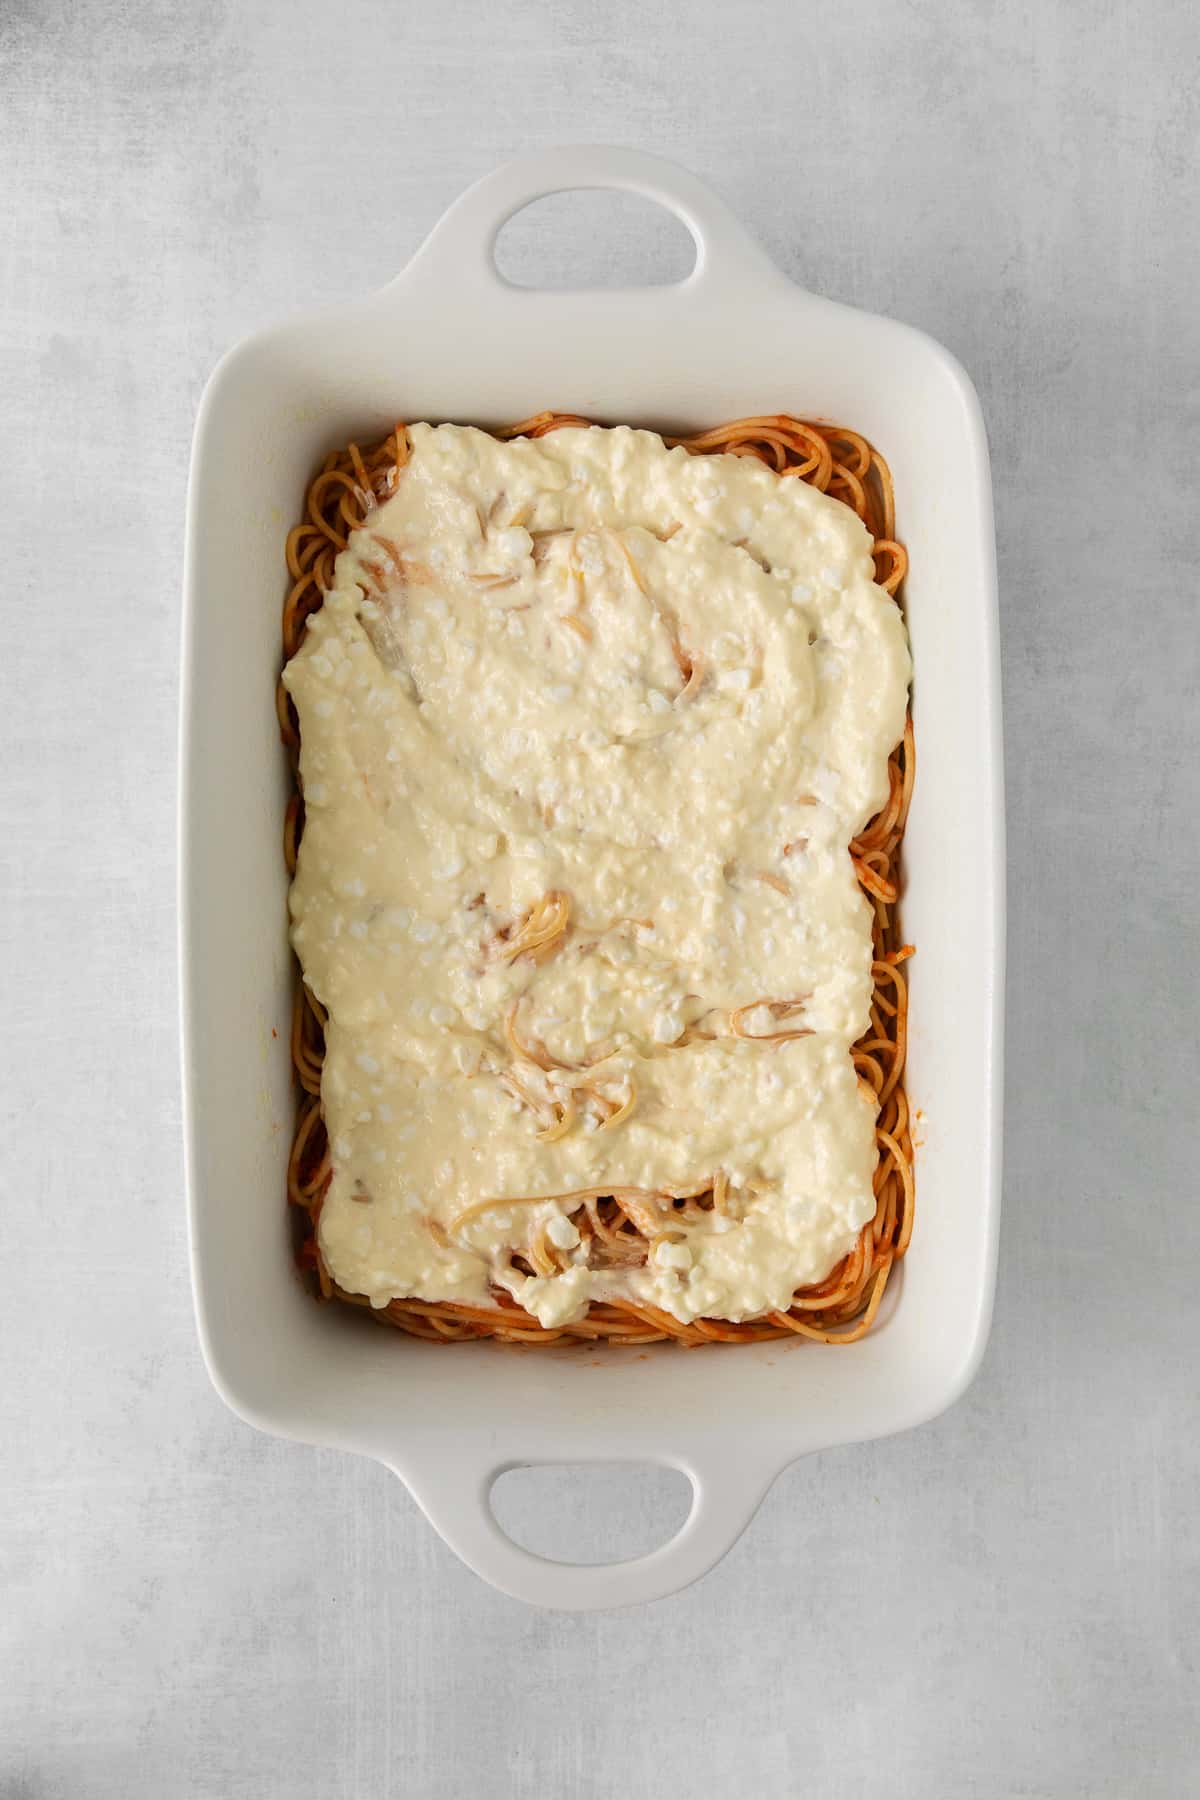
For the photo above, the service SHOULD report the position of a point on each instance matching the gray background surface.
(1004, 1603)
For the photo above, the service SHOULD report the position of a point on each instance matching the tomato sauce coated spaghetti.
(622, 1224)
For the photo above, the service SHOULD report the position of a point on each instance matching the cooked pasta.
(623, 1226)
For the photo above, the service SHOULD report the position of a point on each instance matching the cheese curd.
(587, 680)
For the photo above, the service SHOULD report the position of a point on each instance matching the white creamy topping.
(663, 688)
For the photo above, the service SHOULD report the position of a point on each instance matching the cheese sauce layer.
(587, 726)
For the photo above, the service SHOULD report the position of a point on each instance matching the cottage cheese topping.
(589, 678)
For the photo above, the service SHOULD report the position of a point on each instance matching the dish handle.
(456, 1499)
(459, 251)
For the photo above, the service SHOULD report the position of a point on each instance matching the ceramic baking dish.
(450, 339)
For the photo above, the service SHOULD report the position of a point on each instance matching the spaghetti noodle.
(624, 1226)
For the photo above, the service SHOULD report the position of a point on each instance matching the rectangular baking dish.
(450, 339)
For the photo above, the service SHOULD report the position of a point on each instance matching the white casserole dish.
(449, 339)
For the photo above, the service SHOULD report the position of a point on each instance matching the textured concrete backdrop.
(1004, 1603)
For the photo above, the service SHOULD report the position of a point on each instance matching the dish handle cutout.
(460, 250)
(456, 1498)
